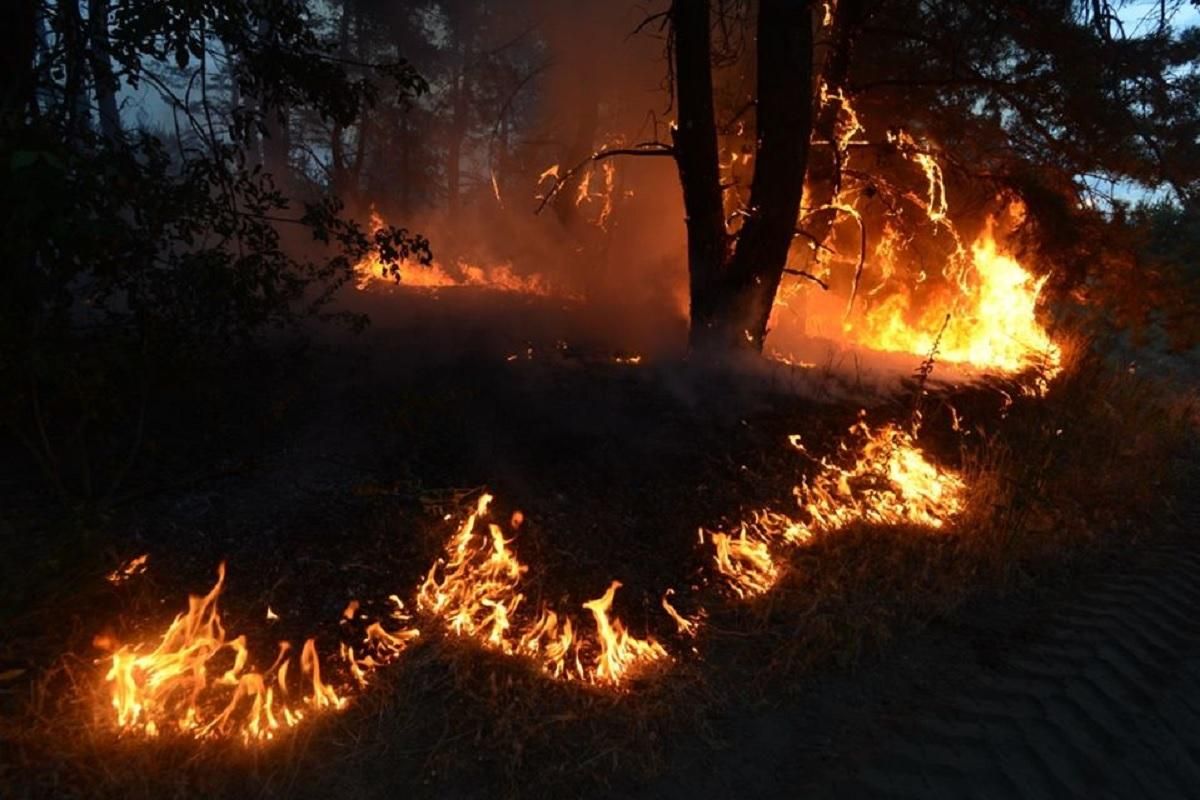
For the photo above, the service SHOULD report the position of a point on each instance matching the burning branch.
(641, 149)
(801, 273)
(862, 243)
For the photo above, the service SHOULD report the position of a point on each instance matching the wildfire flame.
(132, 567)
(685, 626)
(888, 481)
(993, 318)
(991, 298)
(199, 682)
(372, 271)
(475, 591)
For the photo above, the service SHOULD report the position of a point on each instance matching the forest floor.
(324, 472)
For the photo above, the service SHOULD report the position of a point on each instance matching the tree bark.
(17, 66)
(364, 122)
(784, 123)
(276, 141)
(458, 132)
(695, 140)
(277, 145)
(78, 116)
(103, 81)
(337, 157)
(732, 291)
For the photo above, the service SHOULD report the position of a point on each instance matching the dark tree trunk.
(364, 122)
(103, 80)
(74, 84)
(732, 291)
(458, 132)
(585, 113)
(277, 145)
(406, 165)
(276, 139)
(695, 138)
(17, 68)
(337, 156)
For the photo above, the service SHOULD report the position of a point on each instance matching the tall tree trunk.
(364, 122)
(337, 156)
(277, 145)
(458, 132)
(406, 165)
(695, 139)
(732, 291)
(103, 81)
(17, 68)
(74, 85)
(784, 128)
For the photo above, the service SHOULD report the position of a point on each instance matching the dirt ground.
(1090, 688)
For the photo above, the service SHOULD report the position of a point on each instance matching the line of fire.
(519, 398)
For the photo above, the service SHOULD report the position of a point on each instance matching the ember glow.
(134, 566)
(372, 272)
(475, 591)
(879, 476)
(198, 682)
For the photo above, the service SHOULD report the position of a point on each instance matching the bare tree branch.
(642, 149)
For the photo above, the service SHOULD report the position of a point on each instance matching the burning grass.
(475, 590)
(372, 272)
(886, 480)
(1004, 488)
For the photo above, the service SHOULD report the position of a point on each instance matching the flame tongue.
(474, 589)
(196, 681)
(175, 685)
(890, 482)
(993, 317)
(372, 271)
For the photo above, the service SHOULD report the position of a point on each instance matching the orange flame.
(746, 562)
(475, 591)
(132, 567)
(372, 271)
(993, 318)
(198, 682)
(889, 482)
(991, 298)
(685, 626)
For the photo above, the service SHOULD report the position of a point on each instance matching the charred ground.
(323, 471)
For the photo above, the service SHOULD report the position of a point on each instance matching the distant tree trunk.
(74, 84)
(364, 122)
(277, 145)
(733, 288)
(406, 165)
(240, 107)
(103, 80)
(586, 116)
(337, 157)
(458, 132)
(17, 68)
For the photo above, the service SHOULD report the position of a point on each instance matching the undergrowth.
(1091, 467)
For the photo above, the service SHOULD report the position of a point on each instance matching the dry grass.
(1087, 468)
